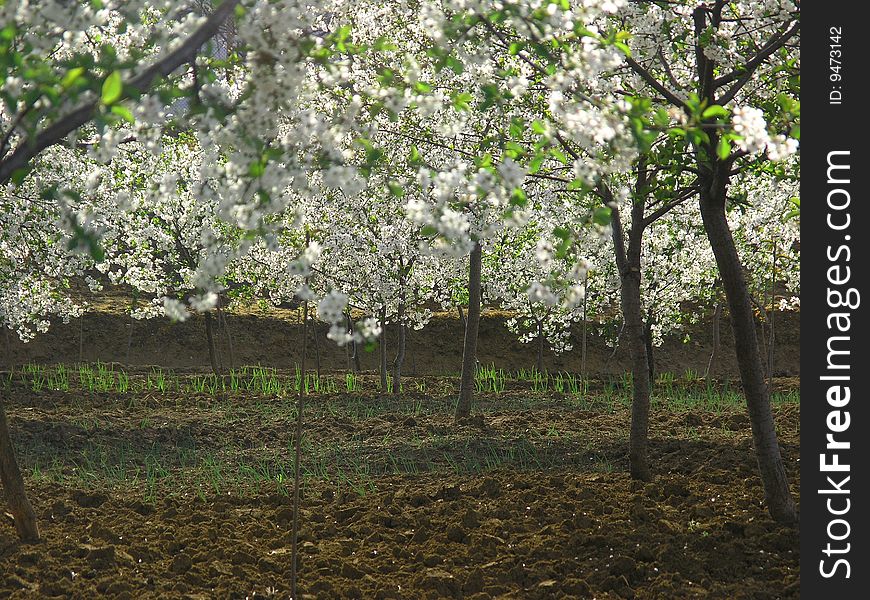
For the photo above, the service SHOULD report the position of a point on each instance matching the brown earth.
(272, 338)
(527, 499)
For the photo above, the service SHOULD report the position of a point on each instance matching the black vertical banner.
(835, 229)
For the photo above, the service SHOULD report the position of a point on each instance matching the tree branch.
(654, 83)
(66, 124)
(743, 77)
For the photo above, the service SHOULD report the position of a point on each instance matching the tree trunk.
(400, 352)
(81, 337)
(13, 484)
(749, 360)
(209, 334)
(383, 350)
(297, 456)
(539, 364)
(472, 324)
(648, 340)
(316, 335)
(628, 263)
(229, 335)
(711, 365)
(771, 345)
(354, 347)
(9, 363)
(583, 332)
(129, 341)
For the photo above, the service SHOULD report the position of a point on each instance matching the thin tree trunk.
(472, 325)
(400, 352)
(297, 456)
(461, 316)
(383, 350)
(583, 332)
(129, 340)
(357, 367)
(81, 337)
(628, 263)
(316, 349)
(229, 335)
(711, 364)
(9, 362)
(539, 364)
(13, 484)
(209, 334)
(771, 345)
(648, 340)
(348, 348)
(773, 476)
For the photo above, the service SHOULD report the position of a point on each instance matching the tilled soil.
(578, 528)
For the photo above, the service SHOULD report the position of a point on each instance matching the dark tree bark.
(316, 336)
(209, 334)
(650, 358)
(400, 351)
(472, 325)
(81, 337)
(771, 344)
(13, 484)
(539, 364)
(297, 454)
(628, 264)
(356, 360)
(383, 350)
(717, 319)
(749, 359)
(584, 332)
(229, 335)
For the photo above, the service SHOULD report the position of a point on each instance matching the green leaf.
(112, 88)
(601, 215)
(396, 189)
(562, 232)
(723, 148)
(415, 158)
(256, 169)
(661, 118)
(18, 175)
(518, 198)
(455, 65)
(714, 111)
(7, 34)
(462, 100)
(514, 150)
(343, 33)
(517, 127)
(624, 47)
(559, 155)
(71, 77)
(124, 113)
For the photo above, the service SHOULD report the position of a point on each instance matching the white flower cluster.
(749, 123)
